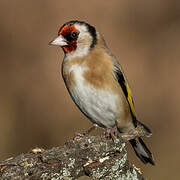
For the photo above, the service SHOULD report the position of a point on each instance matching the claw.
(78, 136)
(112, 132)
(86, 133)
(133, 133)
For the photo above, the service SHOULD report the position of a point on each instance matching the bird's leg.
(86, 133)
(133, 133)
(112, 132)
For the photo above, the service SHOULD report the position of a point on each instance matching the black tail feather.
(142, 151)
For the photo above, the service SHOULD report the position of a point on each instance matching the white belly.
(98, 105)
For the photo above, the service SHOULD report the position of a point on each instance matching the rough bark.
(93, 156)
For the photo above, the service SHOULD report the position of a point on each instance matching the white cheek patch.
(83, 43)
(84, 36)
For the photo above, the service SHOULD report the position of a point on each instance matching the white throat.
(79, 52)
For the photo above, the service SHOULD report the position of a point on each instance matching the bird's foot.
(112, 133)
(128, 135)
(86, 133)
(133, 133)
(78, 136)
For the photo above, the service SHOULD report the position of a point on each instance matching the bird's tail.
(142, 151)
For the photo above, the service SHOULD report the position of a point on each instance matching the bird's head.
(76, 37)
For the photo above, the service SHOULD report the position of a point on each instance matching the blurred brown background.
(35, 108)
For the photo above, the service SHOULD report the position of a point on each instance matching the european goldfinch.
(96, 83)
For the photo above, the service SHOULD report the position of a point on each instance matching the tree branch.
(92, 156)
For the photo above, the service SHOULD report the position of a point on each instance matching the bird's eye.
(74, 35)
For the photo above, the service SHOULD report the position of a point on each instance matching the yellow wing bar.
(130, 99)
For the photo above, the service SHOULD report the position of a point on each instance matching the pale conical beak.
(59, 41)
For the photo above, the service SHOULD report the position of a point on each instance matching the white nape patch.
(83, 43)
(99, 105)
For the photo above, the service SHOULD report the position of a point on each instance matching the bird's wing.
(125, 87)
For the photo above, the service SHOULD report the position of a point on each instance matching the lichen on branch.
(93, 156)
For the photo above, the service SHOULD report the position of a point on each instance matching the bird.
(97, 84)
